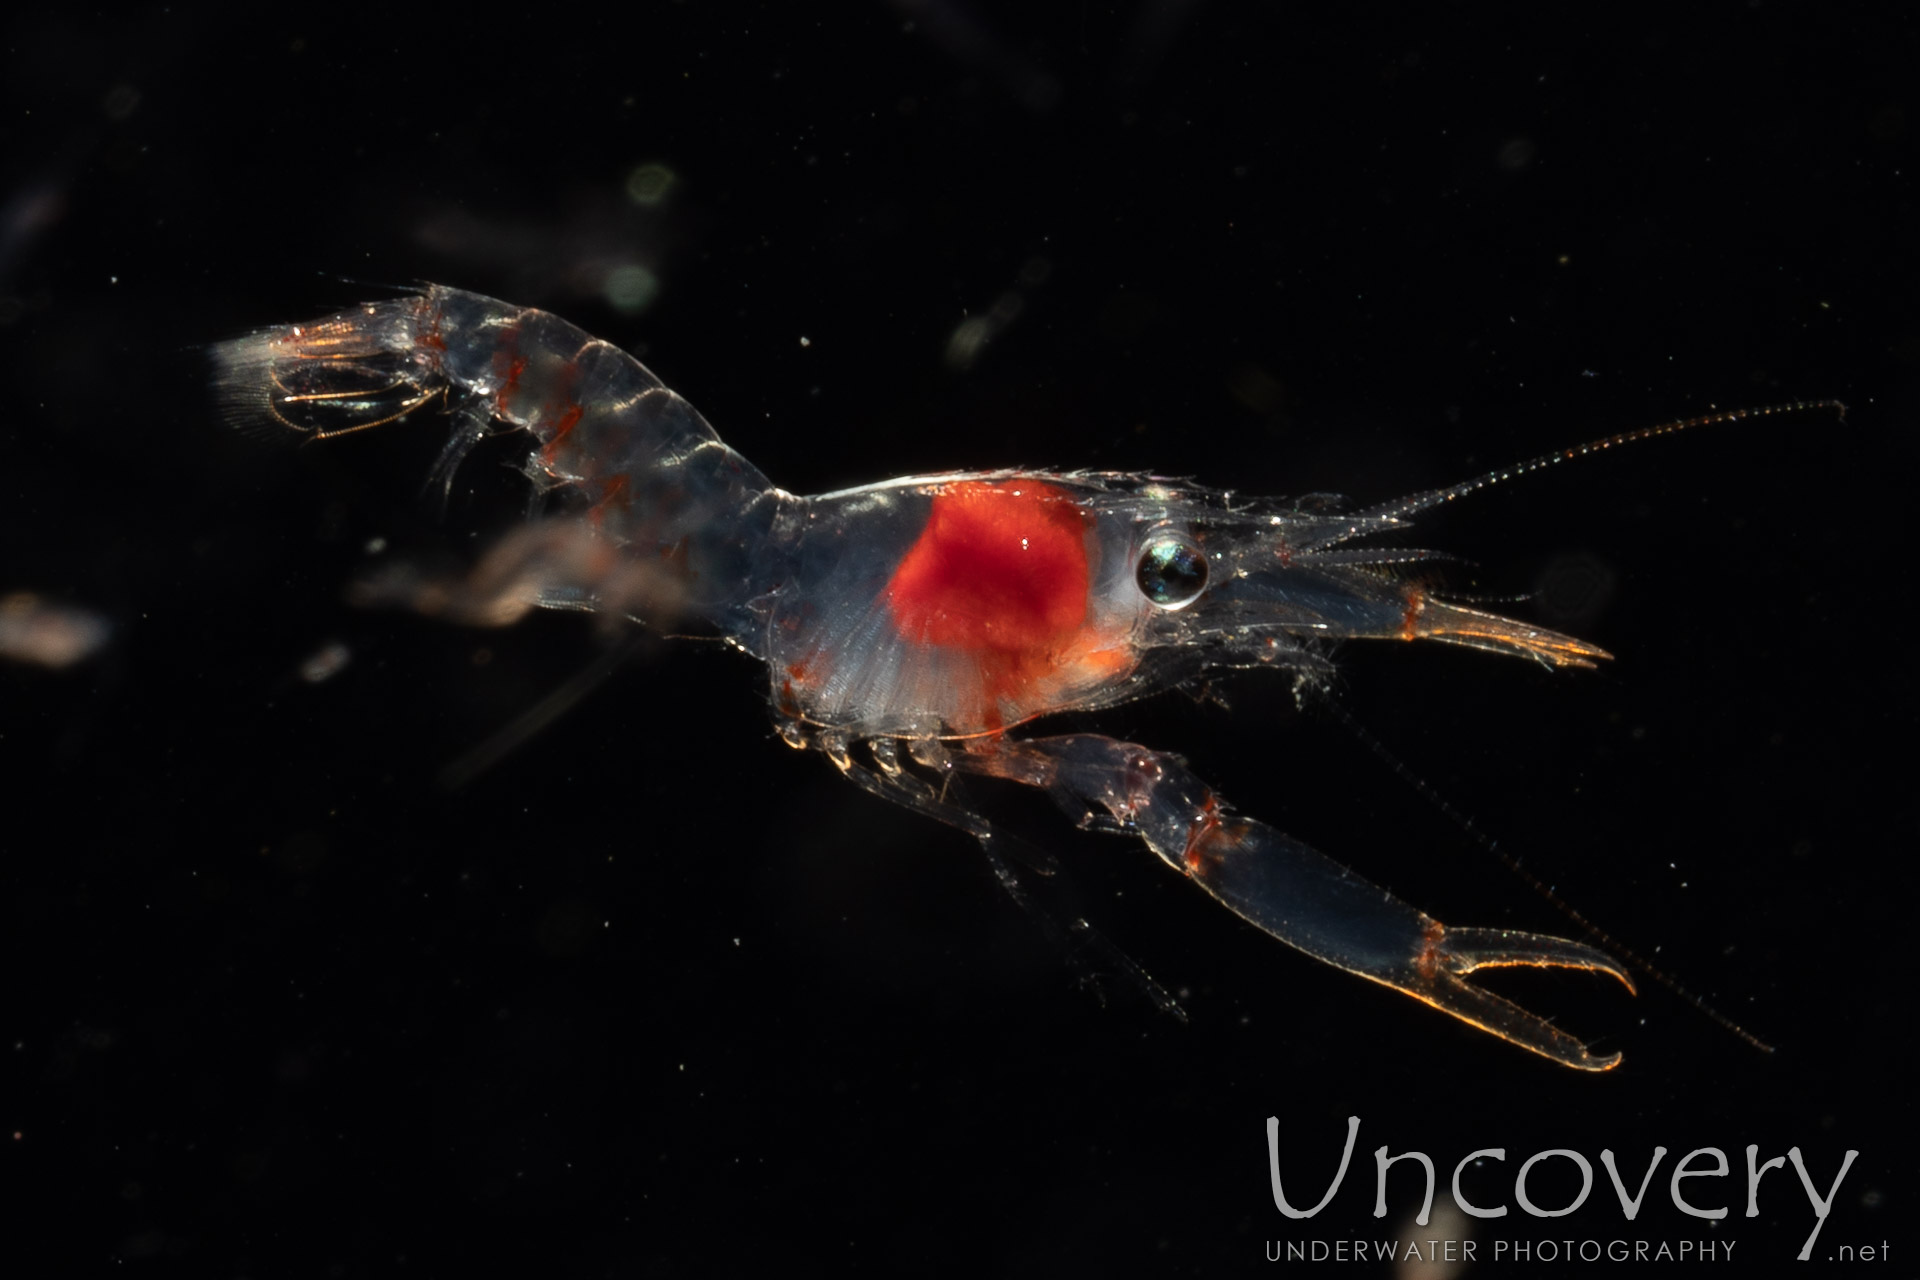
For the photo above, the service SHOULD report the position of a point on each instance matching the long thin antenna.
(1413, 504)
(1539, 886)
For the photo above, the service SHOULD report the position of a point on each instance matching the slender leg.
(1297, 894)
(891, 782)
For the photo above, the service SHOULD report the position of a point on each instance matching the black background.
(656, 994)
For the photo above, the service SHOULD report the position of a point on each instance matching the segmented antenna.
(1400, 508)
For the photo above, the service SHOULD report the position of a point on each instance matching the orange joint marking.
(1204, 830)
(1410, 619)
(1426, 961)
(432, 338)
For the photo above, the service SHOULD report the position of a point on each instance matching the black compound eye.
(1172, 571)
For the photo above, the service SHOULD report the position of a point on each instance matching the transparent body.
(916, 629)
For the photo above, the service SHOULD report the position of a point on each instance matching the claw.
(1299, 895)
(1437, 977)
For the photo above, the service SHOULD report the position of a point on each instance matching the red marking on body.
(568, 420)
(508, 365)
(564, 412)
(430, 337)
(1000, 573)
(516, 367)
(1001, 566)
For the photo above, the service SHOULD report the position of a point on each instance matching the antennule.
(1413, 504)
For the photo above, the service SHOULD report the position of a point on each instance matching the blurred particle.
(121, 101)
(631, 288)
(529, 567)
(592, 246)
(971, 336)
(1440, 1250)
(967, 340)
(326, 662)
(649, 184)
(1515, 154)
(1257, 389)
(31, 209)
(48, 635)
